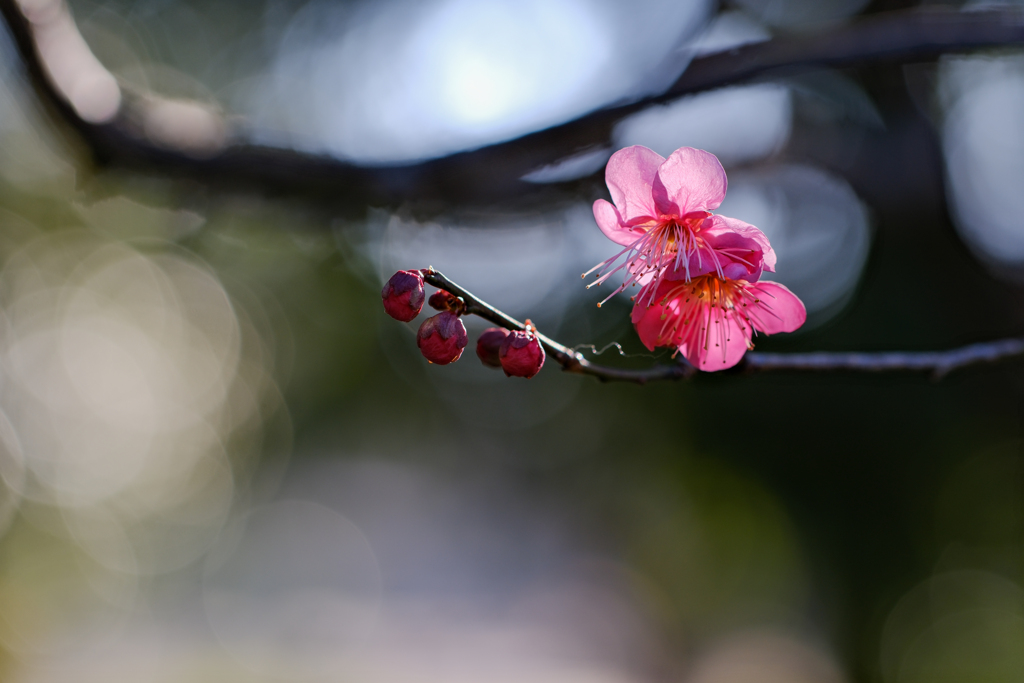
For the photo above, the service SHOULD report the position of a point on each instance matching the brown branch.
(937, 363)
(490, 173)
(570, 360)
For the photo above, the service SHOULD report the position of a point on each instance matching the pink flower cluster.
(698, 272)
(442, 338)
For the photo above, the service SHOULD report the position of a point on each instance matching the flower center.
(669, 243)
(701, 313)
(707, 290)
(676, 231)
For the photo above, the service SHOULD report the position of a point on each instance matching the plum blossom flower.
(662, 218)
(711, 320)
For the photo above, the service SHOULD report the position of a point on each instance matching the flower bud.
(403, 295)
(488, 345)
(442, 338)
(442, 300)
(521, 355)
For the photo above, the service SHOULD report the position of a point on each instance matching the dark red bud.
(489, 344)
(521, 355)
(442, 338)
(403, 295)
(442, 300)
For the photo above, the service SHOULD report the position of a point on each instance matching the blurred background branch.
(123, 128)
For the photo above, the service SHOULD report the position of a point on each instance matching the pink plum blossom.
(711, 320)
(662, 217)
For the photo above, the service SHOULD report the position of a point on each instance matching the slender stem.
(493, 172)
(570, 360)
(937, 363)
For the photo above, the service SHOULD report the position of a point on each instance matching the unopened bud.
(442, 338)
(521, 355)
(489, 344)
(442, 300)
(403, 295)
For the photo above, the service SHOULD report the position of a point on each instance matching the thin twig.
(937, 363)
(570, 360)
(494, 172)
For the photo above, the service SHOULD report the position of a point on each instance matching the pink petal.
(720, 348)
(647, 319)
(689, 180)
(741, 249)
(723, 225)
(649, 324)
(739, 263)
(644, 295)
(702, 262)
(777, 310)
(607, 217)
(630, 173)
